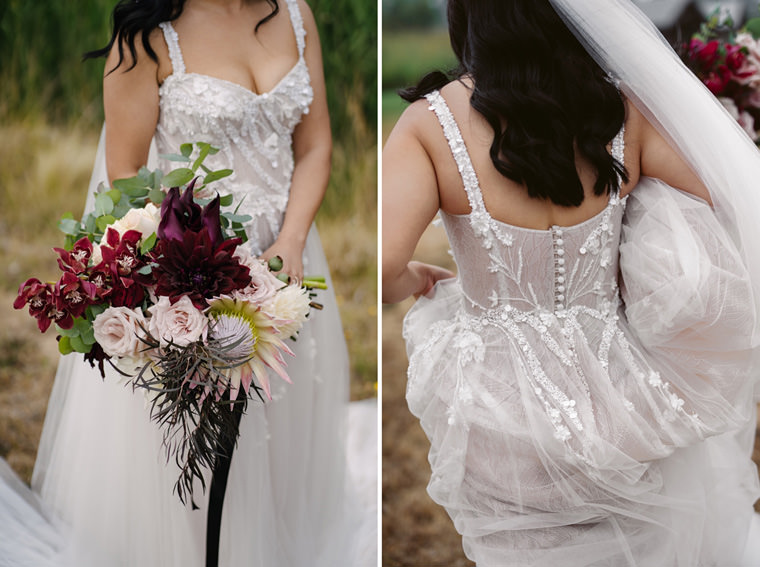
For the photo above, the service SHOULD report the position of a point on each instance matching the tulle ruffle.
(620, 472)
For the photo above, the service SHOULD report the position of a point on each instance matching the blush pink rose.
(263, 284)
(116, 330)
(181, 323)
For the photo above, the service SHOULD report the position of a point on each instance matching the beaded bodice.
(252, 130)
(504, 266)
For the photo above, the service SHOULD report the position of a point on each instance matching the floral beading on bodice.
(509, 267)
(252, 130)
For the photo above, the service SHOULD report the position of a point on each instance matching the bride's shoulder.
(134, 56)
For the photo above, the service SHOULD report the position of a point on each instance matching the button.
(560, 242)
(560, 252)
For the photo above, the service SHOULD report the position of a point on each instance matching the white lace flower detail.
(470, 347)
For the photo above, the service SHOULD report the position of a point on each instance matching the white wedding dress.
(105, 491)
(573, 423)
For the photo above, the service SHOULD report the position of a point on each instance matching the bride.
(587, 381)
(246, 77)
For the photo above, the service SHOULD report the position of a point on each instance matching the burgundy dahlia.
(195, 267)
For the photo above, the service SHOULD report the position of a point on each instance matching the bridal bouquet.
(156, 282)
(728, 63)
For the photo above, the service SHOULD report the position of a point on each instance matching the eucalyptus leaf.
(129, 185)
(145, 270)
(68, 226)
(176, 157)
(94, 310)
(178, 177)
(79, 345)
(115, 195)
(205, 149)
(103, 204)
(104, 221)
(89, 223)
(753, 27)
(236, 218)
(216, 175)
(146, 246)
(64, 345)
(156, 195)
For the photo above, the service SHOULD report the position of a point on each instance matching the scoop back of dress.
(554, 425)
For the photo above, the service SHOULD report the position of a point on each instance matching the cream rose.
(289, 306)
(145, 221)
(116, 330)
(181, 323)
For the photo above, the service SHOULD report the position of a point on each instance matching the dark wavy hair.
(133, 18)
(540, 91)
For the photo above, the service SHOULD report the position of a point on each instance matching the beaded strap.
(298, 28)
(175, 53)
(458, 149)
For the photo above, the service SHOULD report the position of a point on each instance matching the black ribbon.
(219, 484)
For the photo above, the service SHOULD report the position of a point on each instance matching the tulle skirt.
(106, 490)
(647, 462)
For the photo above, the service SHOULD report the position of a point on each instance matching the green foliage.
(135, 192)
(431, 51)
(416, 14)
(41, 73)
(348, 34)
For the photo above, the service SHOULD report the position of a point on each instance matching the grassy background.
(50, 117)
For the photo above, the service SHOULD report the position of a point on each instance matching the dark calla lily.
(180, 213)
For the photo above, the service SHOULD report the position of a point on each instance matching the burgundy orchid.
(75, 260)
(75, 294)
(181, 213)
(195, 267)
(117, 276)
(39, 297)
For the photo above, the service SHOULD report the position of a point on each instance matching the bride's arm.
(659, 160)
(312, 148)
(130, 101)
(410, 201)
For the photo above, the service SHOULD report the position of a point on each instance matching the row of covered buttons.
(559, 268)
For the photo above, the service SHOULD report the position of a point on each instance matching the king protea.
(256, 338)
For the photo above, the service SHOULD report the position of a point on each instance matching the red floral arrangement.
(728, 63)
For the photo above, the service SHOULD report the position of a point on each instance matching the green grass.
(409, 55)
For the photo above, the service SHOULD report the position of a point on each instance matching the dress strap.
(297, 21)
(458, 150)
(175, 54)
(618, 151)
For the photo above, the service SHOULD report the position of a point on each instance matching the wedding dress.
(106, 490)
(576, 423)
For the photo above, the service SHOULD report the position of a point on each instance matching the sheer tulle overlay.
(568, 427)
(105, 487)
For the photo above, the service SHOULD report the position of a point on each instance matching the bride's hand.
(429, 275)
(291, 254)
